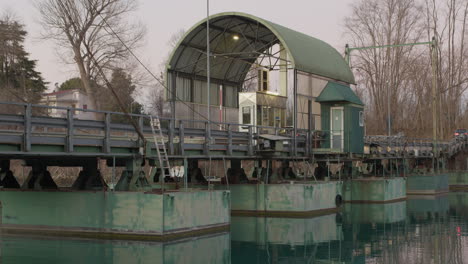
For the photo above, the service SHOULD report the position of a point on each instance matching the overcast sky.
(322, 19)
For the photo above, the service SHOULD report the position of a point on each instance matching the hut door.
(336, 127)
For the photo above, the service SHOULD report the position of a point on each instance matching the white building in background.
(74, 98)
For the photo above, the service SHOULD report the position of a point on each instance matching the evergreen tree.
(73, 83)
(124, 87)
(19, 80)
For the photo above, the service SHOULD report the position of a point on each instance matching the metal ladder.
(160, 148)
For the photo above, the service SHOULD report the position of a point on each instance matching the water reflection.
(208, 249)
(274, 240)
(423, 229)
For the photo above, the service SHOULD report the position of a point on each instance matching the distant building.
(74, 98)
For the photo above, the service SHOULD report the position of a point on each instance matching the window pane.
(230, 96)
(361, 118)
(214, 94)
(271, 118)
(246, 115)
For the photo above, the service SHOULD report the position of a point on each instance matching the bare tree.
(447, 21)
(384, 72)
(405, 74)
(92, 31)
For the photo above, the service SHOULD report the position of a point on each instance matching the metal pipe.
(208, 58)
(434, 96)
(389, 127)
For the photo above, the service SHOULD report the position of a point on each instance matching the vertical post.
(294, 139)
(141, 141)
(27, 128)
(220, 105)
(283, 72)
(171, 132)
(173, 91)
(185, 174)
(181, 139)
(70, 130)
(229, 146)
(347, 54)
(107, 129)
(434, 96)
(206, 149)
(250, 142)
(113, 174)
(308, 145)
(208, 84)
(389, 125)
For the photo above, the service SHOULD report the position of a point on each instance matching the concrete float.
(427, 184)
(458, 180)
(115, 215)
(293, 199)
(374, 190)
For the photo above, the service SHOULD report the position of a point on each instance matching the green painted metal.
(348, 50)
(458, 178)
(292, 198)
(25, 250)
(306, 53)
(378, 190)
(119, 212)
(133, 178)
(427, 184)
(335, 92)
(9, 147)
(47, 148)
(352, 129)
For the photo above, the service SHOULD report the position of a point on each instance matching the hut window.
(263, 81)
(246, 116)
(361, 118)
(230, 96)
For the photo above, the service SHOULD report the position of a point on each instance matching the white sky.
(322, 19)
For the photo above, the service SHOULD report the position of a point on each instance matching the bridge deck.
(28, 134)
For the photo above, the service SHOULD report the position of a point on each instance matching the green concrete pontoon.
(287, 199)
(120, 215)
(427, 184)
(374, 190)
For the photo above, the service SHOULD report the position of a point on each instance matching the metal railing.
(29, 124)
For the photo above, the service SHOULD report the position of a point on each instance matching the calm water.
(425, 229)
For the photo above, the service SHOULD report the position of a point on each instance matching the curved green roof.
(306, 53)
(335, 92)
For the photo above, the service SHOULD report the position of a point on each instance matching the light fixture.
(235, 37)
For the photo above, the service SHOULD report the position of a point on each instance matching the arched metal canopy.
(238, 39)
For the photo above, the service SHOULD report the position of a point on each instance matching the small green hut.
(342, 118)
